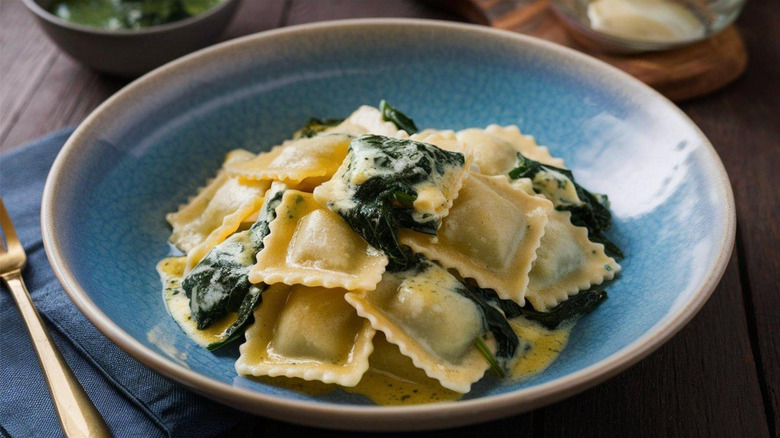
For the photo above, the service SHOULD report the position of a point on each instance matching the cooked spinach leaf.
(377, 224)
(581, 304)
(497, 324)
(219, 284)
(588, 210)
(379, 187)
(401, 120)
(248, 304)
(314, 126)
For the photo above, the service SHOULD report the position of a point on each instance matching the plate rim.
(384, 418)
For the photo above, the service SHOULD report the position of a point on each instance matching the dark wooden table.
(720, 376)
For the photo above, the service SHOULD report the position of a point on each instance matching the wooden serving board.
(679, 74)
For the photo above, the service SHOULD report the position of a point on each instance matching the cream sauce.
(654, 21)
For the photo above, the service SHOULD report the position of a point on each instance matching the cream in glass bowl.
(646, 25)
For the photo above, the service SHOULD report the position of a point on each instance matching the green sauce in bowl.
(128, 14)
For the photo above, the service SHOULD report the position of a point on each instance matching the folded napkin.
(134, 400)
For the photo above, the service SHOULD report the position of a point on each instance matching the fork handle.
(78, 416)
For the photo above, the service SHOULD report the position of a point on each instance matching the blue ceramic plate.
(148, 148)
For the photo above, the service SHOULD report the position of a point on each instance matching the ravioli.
(310, 245)
(492, 154)
(429, 175)
(304, 162)
(309, 333)
(491, 235)
(367, 120)
(446, 140)
(219, 283)
(366, 253)
(218, 209)
(566, 263)
(525, 144)
(422, 312)
(495, 148)
(386, 184)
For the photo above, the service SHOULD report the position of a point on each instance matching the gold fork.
(77, 414)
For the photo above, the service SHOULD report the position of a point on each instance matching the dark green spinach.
(575, 307)
(493, 321)
(219, 284)
(399, 119)
(497, 324)
(128, 14)
(383, 203)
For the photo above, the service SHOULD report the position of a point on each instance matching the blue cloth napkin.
(135, 401)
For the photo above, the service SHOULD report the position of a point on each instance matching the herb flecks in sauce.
(393, 380)
(544, 346)
(128, 14)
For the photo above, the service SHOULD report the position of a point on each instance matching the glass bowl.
(632, 26)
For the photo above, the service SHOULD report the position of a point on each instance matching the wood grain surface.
(720, 376)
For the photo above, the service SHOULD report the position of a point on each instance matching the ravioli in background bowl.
(146, 150)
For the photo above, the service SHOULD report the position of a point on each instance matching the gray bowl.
(131, 53)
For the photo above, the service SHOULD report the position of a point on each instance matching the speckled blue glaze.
(144, 153)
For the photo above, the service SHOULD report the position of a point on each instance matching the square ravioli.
(490, 235)
(218, 208)
(310, 245)
(367, 120)
(439, 253)
(304, 162)
(567, 263)
(525, 144)
(495, 148)
(424, 314)
(309, 333)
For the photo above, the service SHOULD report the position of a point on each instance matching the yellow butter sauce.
(314, 388)
(392, 379)
(171, 271)
(544, 347)
(404, 385)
